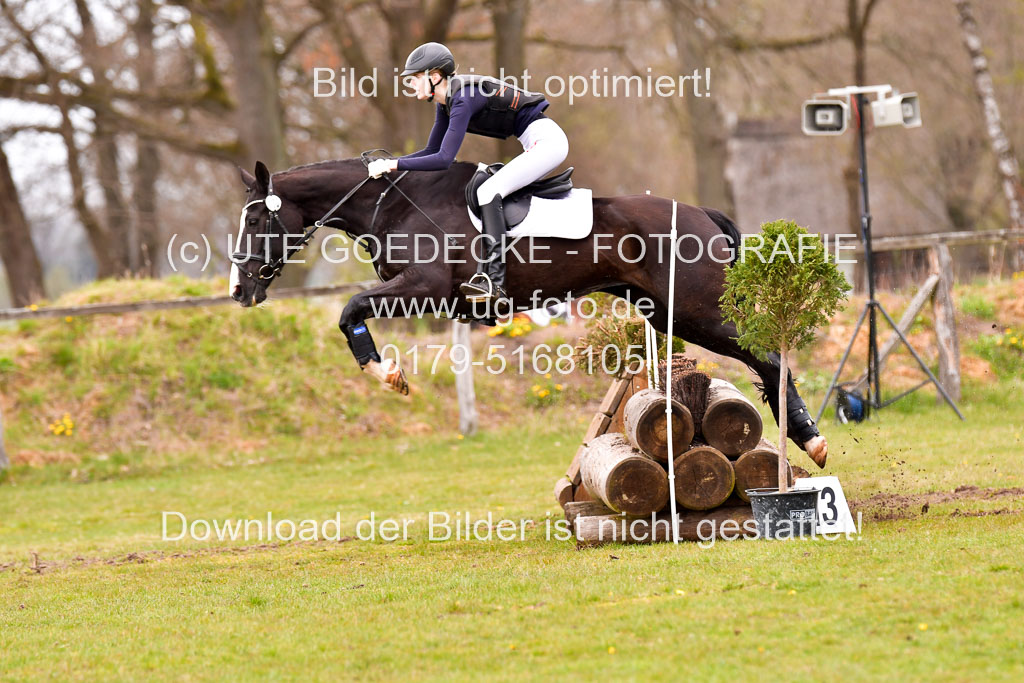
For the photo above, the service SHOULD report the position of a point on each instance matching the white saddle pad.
(571, 217)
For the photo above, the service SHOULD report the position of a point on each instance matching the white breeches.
(545, 147)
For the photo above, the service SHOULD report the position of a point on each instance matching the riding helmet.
(430, 56)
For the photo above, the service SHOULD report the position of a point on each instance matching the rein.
(273, 204)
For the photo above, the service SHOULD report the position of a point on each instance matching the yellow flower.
(922, 627)
(67, 318)
(558, 387)
(1013, 340)
(536, 387)
(680, 591)
(511, 646)
(611, 650)
(792, 592)
(544, 393)
(33, 307)
(547, 375)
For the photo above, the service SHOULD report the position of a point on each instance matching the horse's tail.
(726, 225)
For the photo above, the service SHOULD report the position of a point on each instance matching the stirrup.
(479, 288)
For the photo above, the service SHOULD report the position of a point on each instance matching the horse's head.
(267, 217)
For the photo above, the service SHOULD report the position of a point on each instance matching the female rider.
(485, 106)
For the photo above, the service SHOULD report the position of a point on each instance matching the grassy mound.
(112, 394)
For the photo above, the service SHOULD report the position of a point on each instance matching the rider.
(485, 106)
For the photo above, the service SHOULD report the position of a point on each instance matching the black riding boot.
(488, 284)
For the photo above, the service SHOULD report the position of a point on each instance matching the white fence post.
(4, 462)
(464, 380)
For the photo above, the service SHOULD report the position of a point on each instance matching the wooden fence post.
(4, 462)
(944, 311)
(468, 421)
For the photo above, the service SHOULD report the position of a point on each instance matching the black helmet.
(430, 56)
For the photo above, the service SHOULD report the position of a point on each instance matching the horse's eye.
(253, 221)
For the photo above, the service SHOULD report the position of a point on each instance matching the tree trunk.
(1007, 164)
(783, 421)
(146, 247)
(708, 133)
(115, 212)
(21, 262)
(98, 234)
(246, 31)
(857, 33)
(509, 20)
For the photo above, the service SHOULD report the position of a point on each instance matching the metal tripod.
(873, 306)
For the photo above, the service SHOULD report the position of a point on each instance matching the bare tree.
(407, 24)
(509, 20)
(21, 262)
(1006, 161)
(146, 238)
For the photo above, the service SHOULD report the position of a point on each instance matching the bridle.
(271, 269)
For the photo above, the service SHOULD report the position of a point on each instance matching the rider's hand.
(379, 167)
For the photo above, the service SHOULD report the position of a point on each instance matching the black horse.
(395, 214)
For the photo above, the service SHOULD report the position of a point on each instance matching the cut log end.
(757, 469)
(704, 478)
(622, 477)
(731, 423)
(563, 491)
(646, 425)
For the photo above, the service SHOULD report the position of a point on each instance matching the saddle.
(517, 204)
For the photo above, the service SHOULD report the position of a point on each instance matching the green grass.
(224, 414)
(926, 595)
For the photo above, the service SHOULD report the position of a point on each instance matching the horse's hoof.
(817, 449)
(390, 373)
(395, 378)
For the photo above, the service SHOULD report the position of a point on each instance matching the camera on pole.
(828, 114)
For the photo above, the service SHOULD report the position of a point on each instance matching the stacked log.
(646, 420)
(622, 477)
(758, 468)
(617, 488)
(731, 422)
(704, 478)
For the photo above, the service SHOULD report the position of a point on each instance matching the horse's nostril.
(236, 293)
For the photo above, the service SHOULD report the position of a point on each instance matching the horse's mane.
(338, 164)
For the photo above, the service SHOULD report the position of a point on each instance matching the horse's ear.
(262, 176)
(248, 179)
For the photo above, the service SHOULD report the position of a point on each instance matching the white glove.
(379, 167)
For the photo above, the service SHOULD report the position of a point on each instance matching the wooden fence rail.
(180, 302)
(924, 241)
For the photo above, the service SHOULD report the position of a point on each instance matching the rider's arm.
(440, 160)
(436, 135)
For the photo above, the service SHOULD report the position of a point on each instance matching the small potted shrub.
(777, 297)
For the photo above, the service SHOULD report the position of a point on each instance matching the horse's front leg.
(411, 292)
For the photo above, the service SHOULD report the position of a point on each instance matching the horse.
(626, 259)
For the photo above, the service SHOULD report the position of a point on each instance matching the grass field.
(933, 594)
(112, 421)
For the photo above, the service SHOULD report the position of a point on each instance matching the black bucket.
(784, 515)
